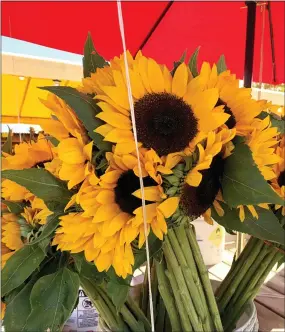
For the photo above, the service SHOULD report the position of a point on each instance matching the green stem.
(144, 299)
(185, 322)
(131, 320)
(140, 316)
(243, 268)
(167, 296)
(161, 315)
(238, 265)
(184, 244)
(99, 303)
(205, 280)
(252, 271)
(176, 272)
(154, 289)
(233, 314)
(201, 310)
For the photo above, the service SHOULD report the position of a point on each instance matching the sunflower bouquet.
(87, 204)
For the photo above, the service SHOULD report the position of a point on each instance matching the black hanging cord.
(272, 42)
(249, 45)
(166, 9)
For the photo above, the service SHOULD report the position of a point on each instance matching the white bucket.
(211, 240)
(248, 321)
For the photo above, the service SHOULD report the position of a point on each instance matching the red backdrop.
(218, 27)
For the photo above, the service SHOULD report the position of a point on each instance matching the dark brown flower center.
(196, 200)
(164, 122)
(231, 122)
(281, 179)
(126, 185)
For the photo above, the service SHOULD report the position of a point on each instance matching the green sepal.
(221, 65)
(193, 66)
(91, 60)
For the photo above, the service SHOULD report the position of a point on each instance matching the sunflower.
(202, 187)
(113, 216)
(237, 101)
(36, 213)
(262, 142)
(28, 155)
(12, 191)
(169, 111)
(76, 161)
(278, 183)
(64, 121)
(11, 237)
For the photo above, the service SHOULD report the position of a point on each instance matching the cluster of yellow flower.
(177, 116)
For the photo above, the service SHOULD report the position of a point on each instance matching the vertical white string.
(263, 10)
(131, 102)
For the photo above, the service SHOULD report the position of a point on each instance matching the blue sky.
(16, 46)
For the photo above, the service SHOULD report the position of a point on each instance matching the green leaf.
(56, 206)
(177, 63)
(242, 183)
(193, 62)
(14, 207)
(86, 269)
(85, 108)
(40, 182)
(48, 228)
(8, 146)
(221, 64)
(18, 310)
(266, 227)
(275, 121)
(20, 266)
(118, 290)
(52, 300)
(53, 140)
(91, 60)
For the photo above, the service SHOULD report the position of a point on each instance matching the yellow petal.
(104, 261)
(150, 194)
(106, 212)
(111, 177)
(88, 150)
(167, 79)
(116, 120)
(169, 206)
(179, 83)
(142, 65)
(125, 148)
(155, 76)
(70, 151)
(119, 136)
(105, 197)
(194, 178)
(117, 223)
(118, 95)
(130, 161)
(104, 129)
(138, 89)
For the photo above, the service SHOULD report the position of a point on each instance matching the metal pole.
(248, 69)
(249, 44)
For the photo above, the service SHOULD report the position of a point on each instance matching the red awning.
(218, 27)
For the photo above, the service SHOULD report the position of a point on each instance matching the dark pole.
(249, 45)
(166, 9)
